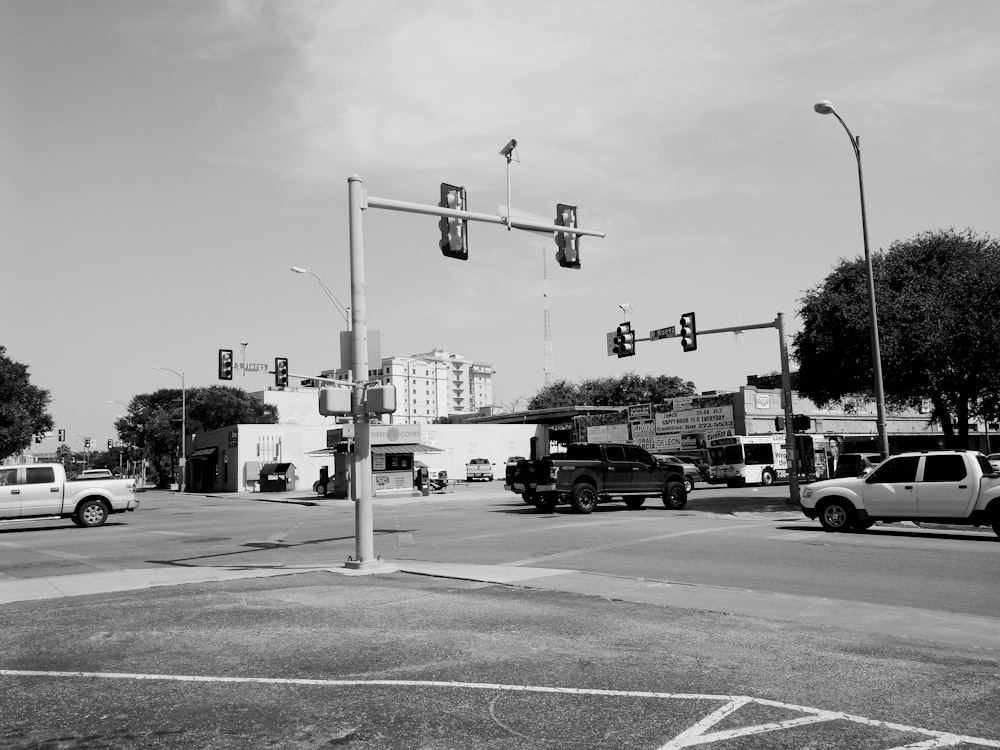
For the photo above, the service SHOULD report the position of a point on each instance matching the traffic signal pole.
(361, 475)
(786, 392)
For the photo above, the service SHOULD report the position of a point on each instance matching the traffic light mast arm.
(420, 208)
(731, 329)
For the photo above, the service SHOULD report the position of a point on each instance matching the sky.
(164, 163)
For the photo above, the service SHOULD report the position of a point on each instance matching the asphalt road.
(324, 659)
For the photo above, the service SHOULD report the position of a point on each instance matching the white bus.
(756, 459)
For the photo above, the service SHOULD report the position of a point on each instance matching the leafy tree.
(152, 425)
(22, 407)
(624, 391)
(938, 298)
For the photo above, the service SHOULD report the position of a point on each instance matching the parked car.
(856, 464)
(479, 469)
(437, 478)
(699, 458)
(691, 472)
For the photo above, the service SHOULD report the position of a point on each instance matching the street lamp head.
(298, 269)
(824, 107)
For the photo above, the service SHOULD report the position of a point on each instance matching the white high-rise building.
(431, 385)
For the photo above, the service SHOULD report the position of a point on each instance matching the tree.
(938, 299)
(23, 407)
(153, 423)
(624, 391)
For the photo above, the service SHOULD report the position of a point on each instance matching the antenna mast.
(550, 373)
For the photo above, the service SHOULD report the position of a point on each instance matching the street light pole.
(344, 311)
(826, 108)
(183, 463)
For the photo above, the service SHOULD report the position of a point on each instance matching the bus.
(737, 460)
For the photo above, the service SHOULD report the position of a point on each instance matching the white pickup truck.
(479, 469)
(38, 490)
(957, 487)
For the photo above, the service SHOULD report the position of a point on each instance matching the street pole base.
(370, 566)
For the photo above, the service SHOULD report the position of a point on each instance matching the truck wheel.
(674, 496)
(529, 498)
(996, 523)
(767, 478)
(584, 498)
(837, 515)
(545, 503)
(90, 513)
(634, 503)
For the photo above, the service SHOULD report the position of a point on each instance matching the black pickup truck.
(591, 473)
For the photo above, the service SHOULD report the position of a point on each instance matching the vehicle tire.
(674, 496)
(634, 503)
(584, 498)
(767, 478)
(529, 497)
(863, 525)
(688, 485)
(996, 523)
(90, 513)
(545, 503)
(837, 515)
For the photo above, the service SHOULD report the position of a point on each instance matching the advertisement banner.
(694, 420)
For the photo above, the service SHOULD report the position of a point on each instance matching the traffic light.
(689, 332)
(62, 436)
(111, 443)
(625, 341)
(801, 423)
(86, 443)
(225, 364)
(281, 372)
(568, 253)
(454, 232)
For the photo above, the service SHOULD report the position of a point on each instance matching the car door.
(645, 478)
(41, 494)
(891, 490)
(945, 487)
(617, 470)
(10, 494)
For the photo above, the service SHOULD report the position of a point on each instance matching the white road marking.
(695, 735)
(171, 533)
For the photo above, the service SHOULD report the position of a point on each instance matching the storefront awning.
(202, 453)
(406, 448)
(387, 448)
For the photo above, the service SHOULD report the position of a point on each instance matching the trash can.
(277, 477)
